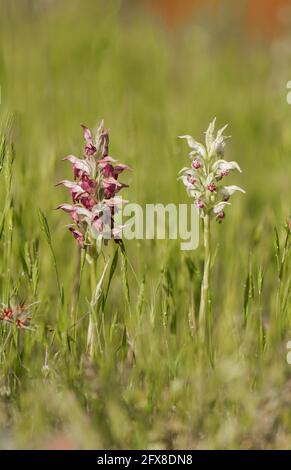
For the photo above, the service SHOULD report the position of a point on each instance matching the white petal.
(186, 182)
(83, 211)
(209, 135)
(183, 169)
(225, 165)
(193, 144)
(220, 206)
(220, 133)
(230, 190)
(194, 193)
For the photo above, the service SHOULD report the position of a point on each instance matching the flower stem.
(91, 334)
(204, 298)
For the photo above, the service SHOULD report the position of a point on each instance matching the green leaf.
(44, 226)
(111, 274)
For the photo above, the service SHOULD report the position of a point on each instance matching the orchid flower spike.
(203, 179)
(93, 191)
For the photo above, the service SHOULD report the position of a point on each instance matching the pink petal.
(66, 207)
(119, 168)
(107, 159)
(87, 134)
(71, 158)
(115, 201)
(109, 181)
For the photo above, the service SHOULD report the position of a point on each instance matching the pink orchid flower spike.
(95, 186)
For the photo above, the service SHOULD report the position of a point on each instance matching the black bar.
(135, 458)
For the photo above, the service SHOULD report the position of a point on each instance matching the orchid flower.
(203, 179)
(204, 183)
(94, 190)
(93, 208)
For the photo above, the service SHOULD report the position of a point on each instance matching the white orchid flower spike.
(205, 177)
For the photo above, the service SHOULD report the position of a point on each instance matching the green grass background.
(151, 384)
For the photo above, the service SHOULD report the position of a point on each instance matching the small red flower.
(211, 187)
(192, 180)
(220, 216)
(196, 164)
(17, 314)
(199, 204)
(78, 236)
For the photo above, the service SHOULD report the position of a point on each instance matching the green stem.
(91, 334)
(77, 289)
(204, 298)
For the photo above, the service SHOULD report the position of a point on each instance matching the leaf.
(2, 152)
(124, 270)
(46, 231)
(98, 290)
(249, 291)
(192, 268)
(44, 226)
(111, 274)
(260, 280)
(277, 248)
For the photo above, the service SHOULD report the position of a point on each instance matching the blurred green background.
(70, 62)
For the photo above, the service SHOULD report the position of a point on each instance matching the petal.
(110, 180)
(229, 190)
(193, 144)
(66, 207)
(66, 183)
(225, 165)
(107, 159)
(87, 134)
(99, 131)
(120, 168)
(118, 230)
(194, 193)
(83, 211)
(71, 185)
(209, 135)
(71, 158)
(220, 206)
(115, 201)
(184, 170)
(79, 163)
(220, 133)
